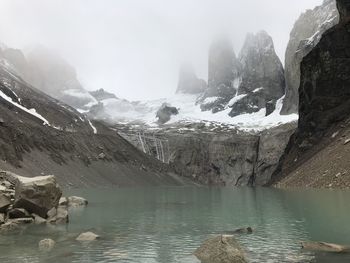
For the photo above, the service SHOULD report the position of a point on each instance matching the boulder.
(63, 201)
(87, 236)
(2, 218)
(18, 213)
(46, 245)
(37, 195)
(325, 247)
(38, 219)
(5, 202)
(75, 201)
(220, 249)
(165, 112)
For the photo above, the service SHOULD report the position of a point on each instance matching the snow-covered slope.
(125, 112)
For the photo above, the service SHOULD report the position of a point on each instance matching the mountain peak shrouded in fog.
(135, 48)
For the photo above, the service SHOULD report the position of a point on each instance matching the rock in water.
(18, 213)
(75, 201)
(46, 245)
(305, 35)
(38, 194)
(220, 249)
(4, 203)
(325, 247)
(188, 81)
(262, 77)
(87, 236)
(165, 112)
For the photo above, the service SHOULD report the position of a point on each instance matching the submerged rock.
(74, 201)
(87, 236)
(220, 249)
(46, 245)
(37, 195)
(325, 247)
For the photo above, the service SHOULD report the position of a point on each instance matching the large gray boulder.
(38, 194)
(305, 35)
(220, 249)
(165, 112)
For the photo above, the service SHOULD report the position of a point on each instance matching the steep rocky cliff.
(324, 105)
(262, 75)
(223, 76)
(305, 35)
(189, 83)
(215, 155)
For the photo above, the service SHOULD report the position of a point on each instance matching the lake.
(167, 224)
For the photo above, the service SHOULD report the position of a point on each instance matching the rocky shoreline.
(35, 200)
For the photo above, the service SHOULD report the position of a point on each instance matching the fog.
(134, 47)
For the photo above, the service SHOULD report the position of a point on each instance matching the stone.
(165, 112)
(63, 201)
(24, 220)
(38, 194)
(75, 201)
(62, 215)
(52, 213)
(325, 247)
(2, 218)
(9, 226)
(18, 213)
(221, 249)
(5, 202)
(87, 236)
(38, 219)
(46, 245)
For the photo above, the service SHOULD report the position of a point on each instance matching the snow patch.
(258, 89)
(235, 99)
(30, 111)
(93, 127)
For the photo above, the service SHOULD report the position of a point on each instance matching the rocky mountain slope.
(318, 153)
(305, 35)
(40, 135)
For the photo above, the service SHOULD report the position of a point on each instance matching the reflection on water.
(168, 224)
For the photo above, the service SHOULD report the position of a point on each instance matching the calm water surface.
(168, 224)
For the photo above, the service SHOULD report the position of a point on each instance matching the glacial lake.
(167, 224)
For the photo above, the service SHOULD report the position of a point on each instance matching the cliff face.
(215, 155)
(305, 35)
(262, 75)
(324, 99)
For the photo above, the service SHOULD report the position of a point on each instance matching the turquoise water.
(168, 224)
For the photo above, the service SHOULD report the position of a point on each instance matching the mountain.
(262, 75)
(318, 153)
(305, 35)
(189, 83)
(41, 135)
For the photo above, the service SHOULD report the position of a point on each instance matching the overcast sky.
(134, 47)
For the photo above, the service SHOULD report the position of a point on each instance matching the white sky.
(134, 47)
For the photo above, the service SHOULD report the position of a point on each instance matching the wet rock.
(62, 215)
(325, 247)
(46, 245)
(24, 220)
(221, 249)
(63, 201)
(2, 218)
(165, 112)
(245, 230)
(270, 107)
(37, 195)
(18, 213)
(5, 202)
(52, 213)
(38, 219)
(75, 201)
(87, 236)
(9, 226)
